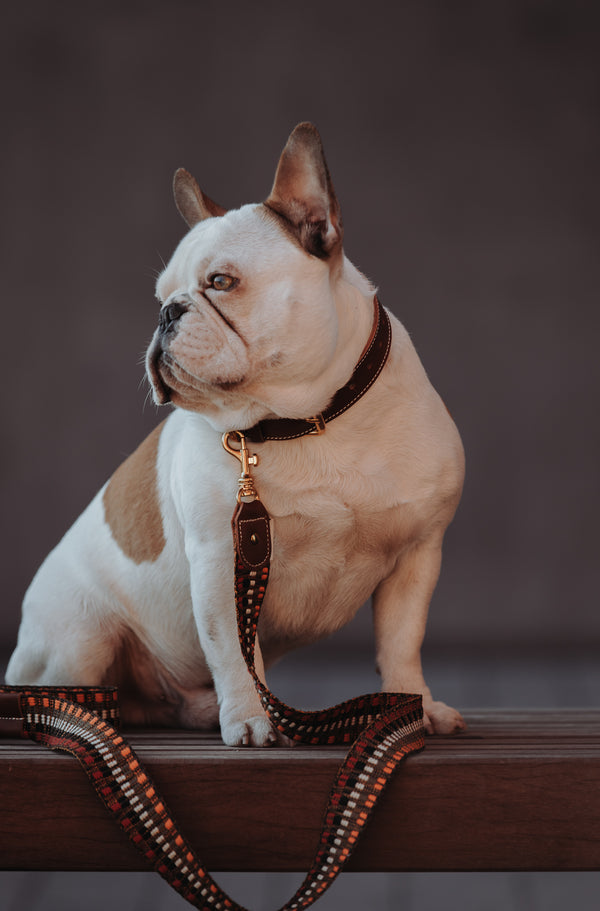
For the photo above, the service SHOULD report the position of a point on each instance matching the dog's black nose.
(170, 314)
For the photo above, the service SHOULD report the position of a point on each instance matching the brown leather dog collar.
(364, 375)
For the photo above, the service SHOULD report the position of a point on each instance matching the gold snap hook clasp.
(246, 492)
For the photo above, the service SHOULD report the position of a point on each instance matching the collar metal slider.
(319, 421)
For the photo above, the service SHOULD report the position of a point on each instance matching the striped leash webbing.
(83, 721)
(382, 729)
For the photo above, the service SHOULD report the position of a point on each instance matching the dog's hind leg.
(58, 646)
(400, 607)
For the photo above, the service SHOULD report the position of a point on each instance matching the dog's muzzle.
(168, 322)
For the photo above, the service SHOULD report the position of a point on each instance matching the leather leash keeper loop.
(381, 729)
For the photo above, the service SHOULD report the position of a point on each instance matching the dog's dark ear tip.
(182, 179)
(305, 125)
(307, 132)
(192, 204)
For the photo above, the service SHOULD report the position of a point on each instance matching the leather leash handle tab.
(252, 533)
(11, 717)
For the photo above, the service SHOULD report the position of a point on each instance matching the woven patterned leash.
(381, 728)
(83, 721)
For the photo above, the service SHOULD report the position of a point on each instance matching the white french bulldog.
(261, 316)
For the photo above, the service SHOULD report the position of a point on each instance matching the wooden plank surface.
(519, 791)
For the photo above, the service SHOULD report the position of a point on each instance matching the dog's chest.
(332, 545)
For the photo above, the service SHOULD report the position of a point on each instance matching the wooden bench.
(519, 791)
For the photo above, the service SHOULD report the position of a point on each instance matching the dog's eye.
(222, 282)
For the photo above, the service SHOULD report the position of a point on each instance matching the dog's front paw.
(440, 718)
(252, 732)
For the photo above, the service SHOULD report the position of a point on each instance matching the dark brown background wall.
(464, 141)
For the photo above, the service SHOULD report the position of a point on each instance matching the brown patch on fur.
(131, 504)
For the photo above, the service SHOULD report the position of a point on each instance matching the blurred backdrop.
(464, 141)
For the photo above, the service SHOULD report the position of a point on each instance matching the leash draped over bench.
(76, 720)
(380, 728)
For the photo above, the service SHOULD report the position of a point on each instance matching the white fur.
(359, 510)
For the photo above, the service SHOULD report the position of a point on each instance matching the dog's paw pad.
(256, 732)
(440, 718)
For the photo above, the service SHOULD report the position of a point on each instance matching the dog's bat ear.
(192, 204)
(303, 193)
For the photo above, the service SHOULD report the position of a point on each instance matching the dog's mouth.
(157, 373)
(173, 376)
(168, 378)
(171, 382)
